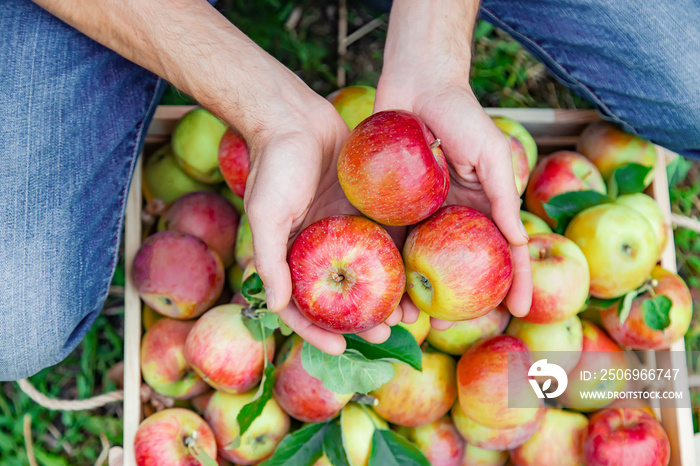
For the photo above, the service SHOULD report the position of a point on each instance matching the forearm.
(192, 46)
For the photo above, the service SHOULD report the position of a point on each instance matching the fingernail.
(270, 297)
(524, 231)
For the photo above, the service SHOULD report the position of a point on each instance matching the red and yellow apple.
(177, 274)
(635, 333)
(558, 173)
(353, 103)
(650, 210)
(560, 279)
(439, 441)
(475, 456)
(462, 335)
(347, 273)
(195, 142)
(458, 264)
(620, 246)
(221, 349)
(234, 161)
(533, 224)
(516, 129)
(392, 169)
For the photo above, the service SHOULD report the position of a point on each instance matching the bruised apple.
(462, 335)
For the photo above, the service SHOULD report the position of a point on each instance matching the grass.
(503, 74)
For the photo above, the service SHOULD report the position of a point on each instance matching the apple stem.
(543, 253)
(361, 398)
(435, 144)
(425, 282)
(337, 277)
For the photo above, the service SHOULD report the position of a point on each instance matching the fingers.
(410, 310)
(519, 297)
(331, 343)
(378, 334)
(439, 324)
(395, 317)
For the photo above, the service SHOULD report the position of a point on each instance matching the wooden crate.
(552, 130)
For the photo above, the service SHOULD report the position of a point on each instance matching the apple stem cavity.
(543, 253)
(363, 399)
(337, 277)
(425, 283)
(627, 248)
(435, 144)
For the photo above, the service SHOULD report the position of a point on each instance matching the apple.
(609, 147)
(620, 246)
(401, 403)
(200, 402)
(164, 179)
(163, 438)
(163, 364)
(462, 335)
(621, 403)
(458, 264)
(562, 341)
(512, 127)
(557, 442)
(244, 243)
(299, 394)
(149, 317)
(629, 437)
(475, 456)
(234, 161)
(177, 274)
(439, 441)
(420, 328)
(195, 143)
(521, 167)
(347, 273)
(392, 169)
(353, 103)
(490, 370)
(233, 199)
(634, 333)
(533, 224)
(262, 437)
(209, 217)
(488, 438)
(650, 210)
(357, 426)
(559, 276)
(599, 353)
(221, 349)
(558, 173)
(234, 276)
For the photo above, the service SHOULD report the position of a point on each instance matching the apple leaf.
(333, 446)
(656, 312)
(628, 179)
(303, 446)
(252, 320)
(348, 373)
(199, 454)
(676, 170)
(255, 407)
(564, 207)
(253, 291)
(392, 449)
(401, 346)
(624, 307)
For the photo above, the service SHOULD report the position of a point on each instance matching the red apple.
(609, 147)
(401, 403)
(559, 173)
(177, 274)
(209, 217)
(635, 333)
(234, 161)
(559, 276)
(458, 264)
(620, 246)
(626, 437)
(221, 349)
(163, 438)
(512, 127)
(439, 441)
(300, 395)
(488, 438)
(347, 274)
(392, 169)
(353, 103)
(163, 363)
(487, 373)
(557, 442)
(462, 335)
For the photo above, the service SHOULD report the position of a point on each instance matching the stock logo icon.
(542, 368)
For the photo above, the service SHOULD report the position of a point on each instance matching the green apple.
(475, 456)
(420, 328)
(533, 224)
(517, 130)
(462, 335)
(164, 179)
(244, 243)
(650, 210)
(563, 341)
(357, 424)
(620, 246)
(195, 142)
(234, 275)
(353, 103)
(235, 200)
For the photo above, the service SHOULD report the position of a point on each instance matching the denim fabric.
(72, 118)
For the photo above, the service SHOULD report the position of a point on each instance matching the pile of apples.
(597, 287)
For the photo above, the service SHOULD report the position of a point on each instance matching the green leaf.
(656, 312)
(333, 446)
(601, 303)
(48, 459)
(253, 291)
(628, 179)
(392, 449)
(564, 207)
(255, 407)
(401, 346)
(259, 332)
(350, 372)
(625, 305)
(201, 455)
(270, 320)
(676, 170)
(301, 447)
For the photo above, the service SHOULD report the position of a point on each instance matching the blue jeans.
(73, 117)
